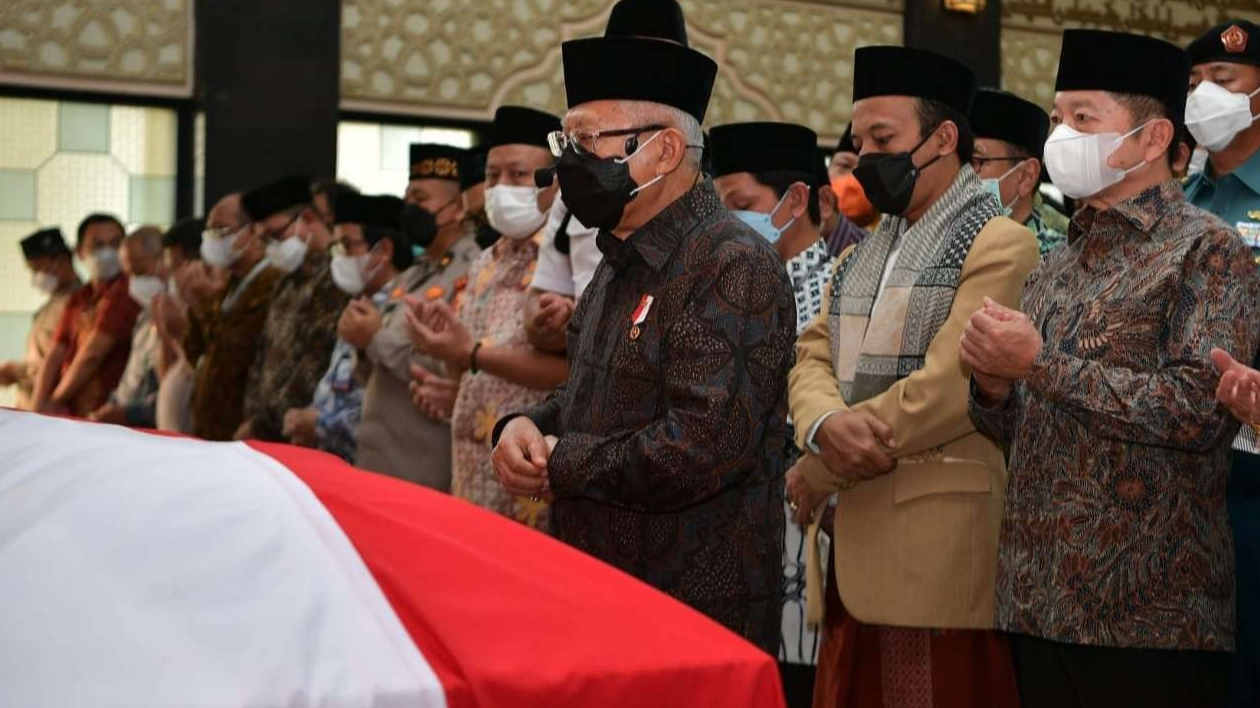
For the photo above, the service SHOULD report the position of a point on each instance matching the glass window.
(374, 157)
(59, 162)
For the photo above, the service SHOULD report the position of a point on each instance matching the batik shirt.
(492, 310)
(339, 396)
(297, 341)
(1048, 225)
(672, 431)
(1115, 531)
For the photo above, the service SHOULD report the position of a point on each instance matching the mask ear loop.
(775, 210)
(1124, 137)
(624, 160)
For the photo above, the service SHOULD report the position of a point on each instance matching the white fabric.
(566, 274)
(146, 571)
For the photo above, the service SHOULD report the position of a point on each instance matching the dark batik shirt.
(671, 455)
(1115, 531)
(296, 345)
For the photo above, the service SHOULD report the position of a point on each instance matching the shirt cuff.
(1046, 369)
(990, 418)
(810, 445)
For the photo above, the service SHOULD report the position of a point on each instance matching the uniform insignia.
(1254, 214)
(1234, 39)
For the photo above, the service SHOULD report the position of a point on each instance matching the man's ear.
(1159, 138)
(1030, 177)
(947, 138)
(798, 199)
(673, 149)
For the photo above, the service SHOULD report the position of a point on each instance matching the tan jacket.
(918, 547)
(395, 438)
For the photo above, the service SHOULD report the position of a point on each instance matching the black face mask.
(419, 224)
(888, 179)
(596, 190)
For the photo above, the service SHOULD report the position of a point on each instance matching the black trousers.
(1057, 675)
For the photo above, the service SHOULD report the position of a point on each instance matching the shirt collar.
(1249, 172)
(1143, 211)
(657, 240)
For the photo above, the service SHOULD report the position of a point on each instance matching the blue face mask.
(763, 223)
(994, 186)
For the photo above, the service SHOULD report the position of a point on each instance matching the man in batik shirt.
(486, 346)
(301, 326)
(667, 443)
(1116, 567)
(370, 252)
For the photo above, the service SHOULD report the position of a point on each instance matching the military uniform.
(394, 437)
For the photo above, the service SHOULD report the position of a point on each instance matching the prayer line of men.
(993, 407)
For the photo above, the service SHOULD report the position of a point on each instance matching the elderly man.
(395, 437)
(93, 336)
(134, 401)
(485, 345)
(1116, 567)
(664, 452)
(371, 252)
(228, 294)
(52, 273)
(879, 400)
(1010, 133)
(1220, 115)
(301, 325)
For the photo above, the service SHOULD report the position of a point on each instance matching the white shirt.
(566, 274)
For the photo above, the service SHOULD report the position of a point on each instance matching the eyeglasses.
(225, 231)
(587, 141)
(275, 235)
(978, 162)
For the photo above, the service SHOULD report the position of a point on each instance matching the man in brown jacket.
(879, 400)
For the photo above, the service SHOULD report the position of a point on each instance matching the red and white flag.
(143, 570)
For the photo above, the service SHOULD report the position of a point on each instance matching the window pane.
(374, 157)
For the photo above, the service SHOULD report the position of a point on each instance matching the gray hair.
(648, 113)
(148, 239)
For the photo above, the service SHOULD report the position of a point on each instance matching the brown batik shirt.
(296, 344)
(672, 435)
(1115, 531)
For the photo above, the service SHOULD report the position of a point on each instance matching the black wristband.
(472, 358)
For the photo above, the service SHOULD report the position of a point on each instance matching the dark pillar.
(975, 40)
(268, 75)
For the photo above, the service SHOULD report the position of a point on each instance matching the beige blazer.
(918, 547)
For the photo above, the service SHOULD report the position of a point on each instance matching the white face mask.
(103, 264)
(1077, 161)
(220, 252)
(143, 288)
(994, 185)
(348, 273)
(45, 282)
(287, 255)
(513, 211)
(1214, 115)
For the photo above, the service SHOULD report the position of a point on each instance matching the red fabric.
(509, 617)
(865, 666)
(109, 309)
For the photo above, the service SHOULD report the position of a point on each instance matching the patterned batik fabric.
(1115, 530)
(493, 312)
(672, 433)
(880, 332)
(809, 272)
(297, 341)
